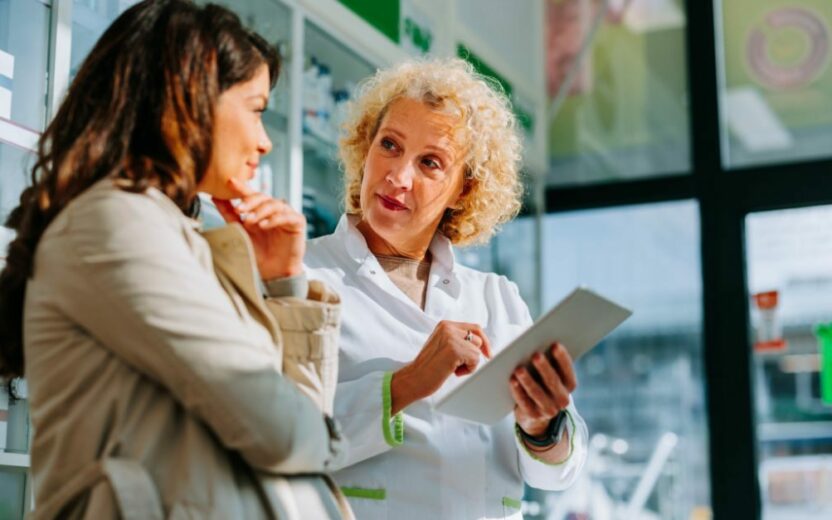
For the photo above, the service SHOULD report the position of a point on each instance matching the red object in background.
(770, 346)
(766, 300)
(768, 333)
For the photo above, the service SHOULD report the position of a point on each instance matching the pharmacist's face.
(413, 172)
(239, 138)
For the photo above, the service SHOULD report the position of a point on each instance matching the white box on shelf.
(6, 64)
(5, 103)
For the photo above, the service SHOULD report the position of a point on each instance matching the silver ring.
(469, 337)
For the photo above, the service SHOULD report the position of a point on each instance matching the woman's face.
(239, 138)
(413, 172)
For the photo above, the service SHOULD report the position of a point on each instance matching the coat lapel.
(233, 258)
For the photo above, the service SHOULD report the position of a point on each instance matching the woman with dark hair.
(157, 371)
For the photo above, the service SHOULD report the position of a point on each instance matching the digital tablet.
(578, 322)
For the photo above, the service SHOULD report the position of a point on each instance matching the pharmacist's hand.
(453, 348)
(539, 399)
(277, 232)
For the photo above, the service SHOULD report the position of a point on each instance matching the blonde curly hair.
(493, 190)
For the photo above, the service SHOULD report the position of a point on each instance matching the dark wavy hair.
(141, 111)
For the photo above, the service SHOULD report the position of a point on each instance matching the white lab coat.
(437, 466)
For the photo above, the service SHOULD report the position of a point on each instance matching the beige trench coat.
(155, 394)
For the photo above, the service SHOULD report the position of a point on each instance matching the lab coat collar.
(352, 238)
(443, 266)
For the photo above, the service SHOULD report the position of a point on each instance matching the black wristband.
(551, 436)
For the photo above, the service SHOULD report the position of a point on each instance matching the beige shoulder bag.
(306, 332)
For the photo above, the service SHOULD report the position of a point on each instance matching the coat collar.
(172, 209)
(440, 247)
(162, 200)
(443, 269)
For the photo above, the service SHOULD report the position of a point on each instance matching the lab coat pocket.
(367, 502)
(512, 508)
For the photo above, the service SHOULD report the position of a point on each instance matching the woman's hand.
(538, 401)
(446, 352)
(277, 232)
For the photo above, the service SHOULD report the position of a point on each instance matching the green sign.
(824, 334)
(524, 117)
(381, 14)
(420, 37)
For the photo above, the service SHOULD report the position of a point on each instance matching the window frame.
(725, 197)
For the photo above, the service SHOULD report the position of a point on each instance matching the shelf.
(275, 120)
(17, 135)
(14, 461)
(346, 66)
(320, 149)
(794, 431)
(796, 512)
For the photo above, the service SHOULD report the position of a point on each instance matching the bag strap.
(134, 490)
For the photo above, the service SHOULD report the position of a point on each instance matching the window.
(776, 92)
(513, 252)
(24, 30)
(789, 258)
(641, 391)
(617, 83)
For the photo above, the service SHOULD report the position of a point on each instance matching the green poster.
(630, 90)
(381, 14)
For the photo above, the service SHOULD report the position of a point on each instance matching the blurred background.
(678, 158)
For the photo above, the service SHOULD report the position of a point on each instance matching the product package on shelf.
(317, 101)
(324, 105)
